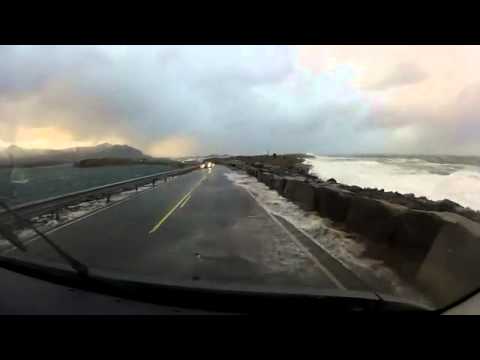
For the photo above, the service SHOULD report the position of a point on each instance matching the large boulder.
(300, 192)
(303, 169)
(272, 168)
(236, 163)
(447, 205)
(332, 202)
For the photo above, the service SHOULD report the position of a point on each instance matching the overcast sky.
(185, 100)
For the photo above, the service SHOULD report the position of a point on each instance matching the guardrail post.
(108, 198)
(153, 183)
(136, 187)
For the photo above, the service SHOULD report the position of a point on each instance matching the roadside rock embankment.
(435, 245)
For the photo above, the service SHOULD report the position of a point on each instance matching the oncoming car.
(207, 165)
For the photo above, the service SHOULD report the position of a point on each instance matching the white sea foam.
(459, 183)
(337, 243)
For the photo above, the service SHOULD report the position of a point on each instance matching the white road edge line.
(294, 239)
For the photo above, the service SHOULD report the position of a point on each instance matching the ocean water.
(28, 184)
(435, 177)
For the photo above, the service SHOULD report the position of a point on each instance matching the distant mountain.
(119, 151)
(36, 157)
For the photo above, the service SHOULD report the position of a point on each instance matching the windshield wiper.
(8, 234)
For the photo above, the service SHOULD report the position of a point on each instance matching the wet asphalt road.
(198, 227)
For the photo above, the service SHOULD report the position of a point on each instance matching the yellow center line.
(162, 220)
(186, 200)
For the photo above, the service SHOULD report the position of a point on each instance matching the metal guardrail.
(54, 204)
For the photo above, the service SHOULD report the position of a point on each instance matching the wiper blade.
(80, 268)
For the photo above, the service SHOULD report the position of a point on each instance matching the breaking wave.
(436, 181)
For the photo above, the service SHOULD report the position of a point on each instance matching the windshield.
(280, 168)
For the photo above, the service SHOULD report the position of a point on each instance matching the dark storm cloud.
(28, 69)
(146, 94)
(237, 99)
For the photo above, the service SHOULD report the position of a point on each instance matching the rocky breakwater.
(435, 245)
